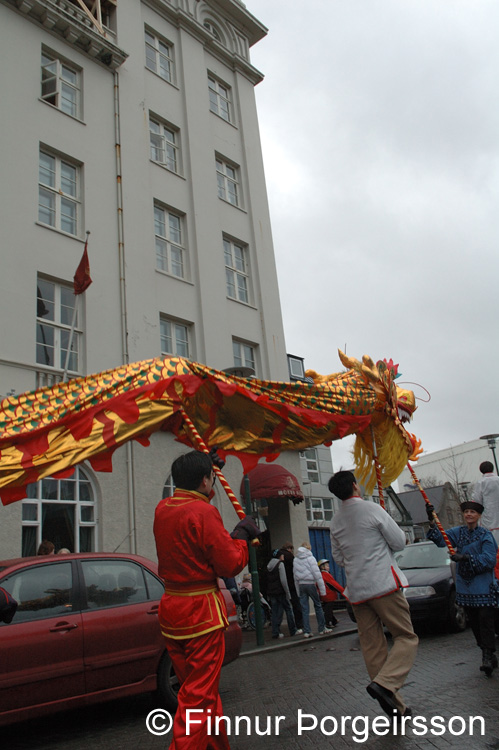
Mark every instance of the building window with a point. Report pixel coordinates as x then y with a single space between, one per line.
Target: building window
244 354
228 182
296 368
169 487
219 98
61 85
312 464
55 304
319 508
61 511
209 26
169 244
159 57
58 193
236 270
174 338
165 146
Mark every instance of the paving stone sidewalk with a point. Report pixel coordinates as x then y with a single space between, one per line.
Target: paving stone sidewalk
326 677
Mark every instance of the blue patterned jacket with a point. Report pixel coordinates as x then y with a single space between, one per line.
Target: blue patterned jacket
475 579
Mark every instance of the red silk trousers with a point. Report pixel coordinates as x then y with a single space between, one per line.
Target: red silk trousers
197 663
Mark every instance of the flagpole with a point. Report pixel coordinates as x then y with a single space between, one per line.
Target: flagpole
73 326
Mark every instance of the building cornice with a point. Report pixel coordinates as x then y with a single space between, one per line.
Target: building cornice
234 16
67 21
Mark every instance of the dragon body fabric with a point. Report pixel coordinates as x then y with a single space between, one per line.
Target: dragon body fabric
48 431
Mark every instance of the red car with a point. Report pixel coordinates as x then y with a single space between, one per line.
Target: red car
86 630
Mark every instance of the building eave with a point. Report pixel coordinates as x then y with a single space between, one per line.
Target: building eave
67 21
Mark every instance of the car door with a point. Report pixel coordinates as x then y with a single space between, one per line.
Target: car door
41 650
122 638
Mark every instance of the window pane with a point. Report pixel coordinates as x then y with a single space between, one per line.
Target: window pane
29 512
86 513
67 306
47 170
45 345
174 224
111 584
159 221
42 591
68 179
45 299
46 207
177 264
68 216
68 100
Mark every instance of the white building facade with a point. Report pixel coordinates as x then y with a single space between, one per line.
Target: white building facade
134 121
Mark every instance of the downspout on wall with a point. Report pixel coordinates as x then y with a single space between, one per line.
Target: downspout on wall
123 305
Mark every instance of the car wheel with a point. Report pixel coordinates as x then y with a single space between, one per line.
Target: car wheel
168 684
456 615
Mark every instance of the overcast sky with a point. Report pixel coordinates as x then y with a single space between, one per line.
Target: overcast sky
379 122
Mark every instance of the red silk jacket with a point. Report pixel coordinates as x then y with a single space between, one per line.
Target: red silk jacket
194 549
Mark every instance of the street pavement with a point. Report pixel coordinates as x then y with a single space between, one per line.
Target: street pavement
322 677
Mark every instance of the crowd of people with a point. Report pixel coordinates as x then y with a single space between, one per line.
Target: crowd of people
194 549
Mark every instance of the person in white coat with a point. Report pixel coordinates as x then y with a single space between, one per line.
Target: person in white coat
363 540
308 579
486 492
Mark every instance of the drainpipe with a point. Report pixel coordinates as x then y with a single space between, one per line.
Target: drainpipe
123 307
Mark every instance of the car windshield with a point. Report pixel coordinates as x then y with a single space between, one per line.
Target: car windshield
422 556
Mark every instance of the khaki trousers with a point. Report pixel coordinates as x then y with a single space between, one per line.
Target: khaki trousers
388 668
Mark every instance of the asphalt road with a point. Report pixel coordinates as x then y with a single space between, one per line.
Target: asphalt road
325 678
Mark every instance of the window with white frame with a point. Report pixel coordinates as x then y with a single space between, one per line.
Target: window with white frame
165 144
296 369
169 487
319 508
55 304
174 337
220 98
62 511
210 26
312 464
159 56
168 229
228 182
58 193
61 84
244 354
236 270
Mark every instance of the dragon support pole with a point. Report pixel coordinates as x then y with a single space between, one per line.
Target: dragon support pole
435 517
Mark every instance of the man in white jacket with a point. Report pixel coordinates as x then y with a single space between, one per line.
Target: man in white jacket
308 579
363 540
486 492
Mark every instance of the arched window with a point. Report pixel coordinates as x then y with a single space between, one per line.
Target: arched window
214 30
62 511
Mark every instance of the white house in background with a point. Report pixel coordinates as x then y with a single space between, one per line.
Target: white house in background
134 120
457 464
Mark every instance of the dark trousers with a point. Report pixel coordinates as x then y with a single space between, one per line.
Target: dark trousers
281 604
329 613
295 603
481 620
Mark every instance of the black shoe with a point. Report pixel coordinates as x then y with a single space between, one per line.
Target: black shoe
385 698
487 662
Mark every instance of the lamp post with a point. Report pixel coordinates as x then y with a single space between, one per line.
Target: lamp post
491 442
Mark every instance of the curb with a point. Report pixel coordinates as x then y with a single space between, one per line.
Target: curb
294 643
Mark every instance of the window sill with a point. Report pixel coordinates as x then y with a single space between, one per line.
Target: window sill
165 80
172 276
224 200
60 231
58 109
240 302
228 122
167 169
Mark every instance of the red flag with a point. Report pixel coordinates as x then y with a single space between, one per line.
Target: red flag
82 278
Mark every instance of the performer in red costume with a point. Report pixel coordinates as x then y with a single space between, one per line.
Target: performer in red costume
194 549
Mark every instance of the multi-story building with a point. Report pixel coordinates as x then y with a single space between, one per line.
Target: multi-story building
134 121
